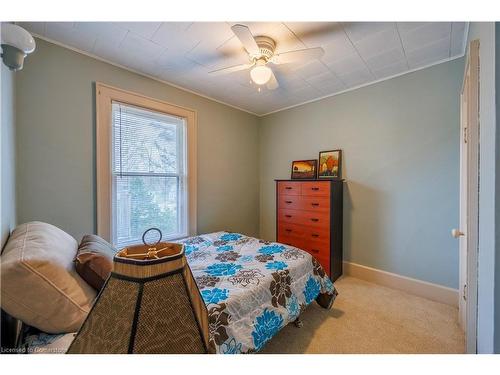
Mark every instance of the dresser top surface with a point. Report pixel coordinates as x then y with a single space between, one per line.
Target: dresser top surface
312 180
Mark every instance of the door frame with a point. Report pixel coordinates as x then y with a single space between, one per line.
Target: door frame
468 272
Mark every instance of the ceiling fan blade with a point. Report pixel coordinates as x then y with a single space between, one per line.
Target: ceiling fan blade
272 84
230 69
301 55
246 38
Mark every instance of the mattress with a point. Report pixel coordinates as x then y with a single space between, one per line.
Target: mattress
252 289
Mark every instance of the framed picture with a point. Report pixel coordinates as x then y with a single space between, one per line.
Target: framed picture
304 169
330 164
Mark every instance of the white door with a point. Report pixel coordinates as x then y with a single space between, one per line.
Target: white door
469 198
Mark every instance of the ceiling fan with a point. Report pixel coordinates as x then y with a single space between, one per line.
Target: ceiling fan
260 51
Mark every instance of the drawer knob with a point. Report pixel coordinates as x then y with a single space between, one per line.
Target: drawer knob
288 215
288 188
315 188
314 219
314 235
288 230
315 251
288 202
315 204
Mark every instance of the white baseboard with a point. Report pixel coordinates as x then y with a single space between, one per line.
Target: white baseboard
420 288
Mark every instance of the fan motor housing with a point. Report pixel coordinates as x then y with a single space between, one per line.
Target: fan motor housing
266 45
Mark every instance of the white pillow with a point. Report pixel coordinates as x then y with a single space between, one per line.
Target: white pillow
40 285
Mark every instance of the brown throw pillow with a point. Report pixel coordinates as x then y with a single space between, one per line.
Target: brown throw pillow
94 260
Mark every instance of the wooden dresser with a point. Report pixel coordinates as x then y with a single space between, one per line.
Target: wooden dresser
309 216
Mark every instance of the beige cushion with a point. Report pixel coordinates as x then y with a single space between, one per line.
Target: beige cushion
39 283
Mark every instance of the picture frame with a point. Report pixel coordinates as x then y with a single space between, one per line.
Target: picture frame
330 164
304 169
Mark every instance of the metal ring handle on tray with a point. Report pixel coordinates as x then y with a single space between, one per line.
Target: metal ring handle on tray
146 232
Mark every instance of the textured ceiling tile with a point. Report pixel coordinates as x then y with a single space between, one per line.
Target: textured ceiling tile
175 65
347 65
359 30
109 36
312 69
211 35
104 29
384 59
357 77
144 29
390 70
426 34
68 34
314 34
327 77
338 48
433 52
379 42
405 27
174 37
330 86
135 46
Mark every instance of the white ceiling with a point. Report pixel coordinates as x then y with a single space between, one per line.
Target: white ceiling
183 53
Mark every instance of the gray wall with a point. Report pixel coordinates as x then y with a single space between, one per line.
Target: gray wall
55 143
485 32
7 155
497 192
400 140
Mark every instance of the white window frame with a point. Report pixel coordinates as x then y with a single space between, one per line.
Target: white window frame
105 96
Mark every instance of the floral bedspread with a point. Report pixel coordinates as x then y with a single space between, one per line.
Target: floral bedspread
252 288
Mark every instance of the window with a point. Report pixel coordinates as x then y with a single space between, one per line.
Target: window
145 167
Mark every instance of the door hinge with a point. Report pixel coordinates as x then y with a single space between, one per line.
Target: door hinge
465 134
464 295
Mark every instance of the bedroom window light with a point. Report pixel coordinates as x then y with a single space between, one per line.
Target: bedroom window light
145 167
148 174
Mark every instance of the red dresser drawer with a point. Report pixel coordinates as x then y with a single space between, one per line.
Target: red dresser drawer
289 188
312 203
288 216
320 252
290 230
292 241
314 219
318 249
310 218
290 202
317 189
317 235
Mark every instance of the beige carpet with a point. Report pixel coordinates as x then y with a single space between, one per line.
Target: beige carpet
368 318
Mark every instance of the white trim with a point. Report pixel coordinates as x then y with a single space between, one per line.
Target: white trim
472 72
246 110
105 94
419 288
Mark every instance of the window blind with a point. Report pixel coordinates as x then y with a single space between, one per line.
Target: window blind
148 172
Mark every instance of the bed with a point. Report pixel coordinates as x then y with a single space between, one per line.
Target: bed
252 289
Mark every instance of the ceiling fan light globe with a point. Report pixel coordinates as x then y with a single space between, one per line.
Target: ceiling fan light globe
261 74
